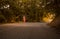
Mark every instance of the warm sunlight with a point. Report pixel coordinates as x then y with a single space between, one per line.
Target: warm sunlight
49 17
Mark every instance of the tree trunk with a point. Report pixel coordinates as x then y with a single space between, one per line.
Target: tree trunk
56 22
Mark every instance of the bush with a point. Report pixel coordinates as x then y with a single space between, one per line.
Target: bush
2 19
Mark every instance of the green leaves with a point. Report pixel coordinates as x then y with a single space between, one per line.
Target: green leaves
33 10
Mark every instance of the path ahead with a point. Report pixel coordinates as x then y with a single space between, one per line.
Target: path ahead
27 31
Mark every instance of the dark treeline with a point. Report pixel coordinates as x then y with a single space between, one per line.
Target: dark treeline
14 10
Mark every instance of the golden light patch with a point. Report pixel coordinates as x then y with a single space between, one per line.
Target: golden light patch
49 17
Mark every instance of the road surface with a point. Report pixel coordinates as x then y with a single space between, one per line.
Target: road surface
27 31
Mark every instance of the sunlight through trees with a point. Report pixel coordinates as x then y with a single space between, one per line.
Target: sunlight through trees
14 10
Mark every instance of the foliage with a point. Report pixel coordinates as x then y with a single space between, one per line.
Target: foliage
33 10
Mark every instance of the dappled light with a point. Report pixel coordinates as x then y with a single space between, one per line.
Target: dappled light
49 17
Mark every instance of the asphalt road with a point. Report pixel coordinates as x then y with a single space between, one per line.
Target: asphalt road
27 31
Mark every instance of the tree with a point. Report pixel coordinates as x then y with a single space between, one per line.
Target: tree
15 9
56 22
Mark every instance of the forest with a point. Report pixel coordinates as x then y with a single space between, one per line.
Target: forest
34 10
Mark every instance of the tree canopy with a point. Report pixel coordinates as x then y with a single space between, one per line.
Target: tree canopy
14 10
